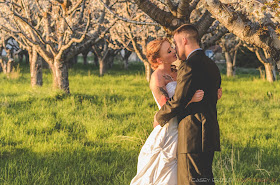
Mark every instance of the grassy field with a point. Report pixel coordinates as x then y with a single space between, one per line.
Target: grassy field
94 135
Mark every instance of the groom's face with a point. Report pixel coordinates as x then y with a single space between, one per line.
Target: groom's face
180 49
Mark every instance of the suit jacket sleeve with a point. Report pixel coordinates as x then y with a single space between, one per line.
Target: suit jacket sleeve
183 94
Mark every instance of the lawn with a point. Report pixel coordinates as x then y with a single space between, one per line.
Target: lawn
94 135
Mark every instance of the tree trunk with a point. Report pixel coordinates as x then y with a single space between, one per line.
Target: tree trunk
36 63
26 58
20 57
264 58
262 74
269 72
126 63
71 62
60 75
148 71
278 67
85 54
10 65
95 59
102 67
102 56
125 58
6 66
274 71
229 64
3 65
110 61
75 59
234 62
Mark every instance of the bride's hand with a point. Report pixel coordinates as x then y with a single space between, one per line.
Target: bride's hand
220 93
198 96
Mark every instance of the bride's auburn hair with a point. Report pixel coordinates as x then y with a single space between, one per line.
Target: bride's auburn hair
152 51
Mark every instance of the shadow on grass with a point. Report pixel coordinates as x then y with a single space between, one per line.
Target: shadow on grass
249 165
100 162
95 163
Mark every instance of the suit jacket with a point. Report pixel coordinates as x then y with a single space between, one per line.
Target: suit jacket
198 129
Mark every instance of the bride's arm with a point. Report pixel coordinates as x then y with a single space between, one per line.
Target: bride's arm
157 85
197 97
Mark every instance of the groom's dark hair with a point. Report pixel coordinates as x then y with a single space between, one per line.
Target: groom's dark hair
188 29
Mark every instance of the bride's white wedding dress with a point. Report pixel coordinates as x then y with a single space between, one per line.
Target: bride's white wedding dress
157 161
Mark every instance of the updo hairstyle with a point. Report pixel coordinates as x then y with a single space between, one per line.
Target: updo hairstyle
152 52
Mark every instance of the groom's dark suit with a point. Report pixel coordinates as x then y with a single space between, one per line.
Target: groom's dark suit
198 131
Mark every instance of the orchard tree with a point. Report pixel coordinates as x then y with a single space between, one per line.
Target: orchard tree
255 22
133 31
8 62
172 14
125 56
269 65
167 15
101 49
230 44
56 30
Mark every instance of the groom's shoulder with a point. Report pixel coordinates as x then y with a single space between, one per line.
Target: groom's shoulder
185 65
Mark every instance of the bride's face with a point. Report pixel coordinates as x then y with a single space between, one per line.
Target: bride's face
167 53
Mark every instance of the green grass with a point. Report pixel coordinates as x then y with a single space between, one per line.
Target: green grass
94 135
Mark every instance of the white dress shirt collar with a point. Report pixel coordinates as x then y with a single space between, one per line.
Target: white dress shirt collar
193 51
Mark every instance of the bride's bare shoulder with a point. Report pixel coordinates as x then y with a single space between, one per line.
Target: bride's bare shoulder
156 79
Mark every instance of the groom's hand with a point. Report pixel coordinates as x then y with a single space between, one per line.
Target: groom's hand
155 121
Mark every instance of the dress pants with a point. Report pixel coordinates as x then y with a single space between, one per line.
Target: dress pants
195 168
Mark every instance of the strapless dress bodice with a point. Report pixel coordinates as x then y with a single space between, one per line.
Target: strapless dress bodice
170 87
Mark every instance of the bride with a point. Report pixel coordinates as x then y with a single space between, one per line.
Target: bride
157 161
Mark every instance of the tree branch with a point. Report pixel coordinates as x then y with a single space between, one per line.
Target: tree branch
125 19
183 9
193 5
172 8
30 26
75 40
69 12
261 56
165 19
213 39
252 33
204 23
123 42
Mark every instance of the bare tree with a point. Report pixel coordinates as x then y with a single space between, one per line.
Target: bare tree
56 30
248 22
230 44
171 14
101 50
125 56
270 67
168 15
245 19
8 46
134 31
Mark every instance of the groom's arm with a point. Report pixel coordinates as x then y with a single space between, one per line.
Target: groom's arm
183 94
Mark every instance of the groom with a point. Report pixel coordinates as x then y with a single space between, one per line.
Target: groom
198 130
